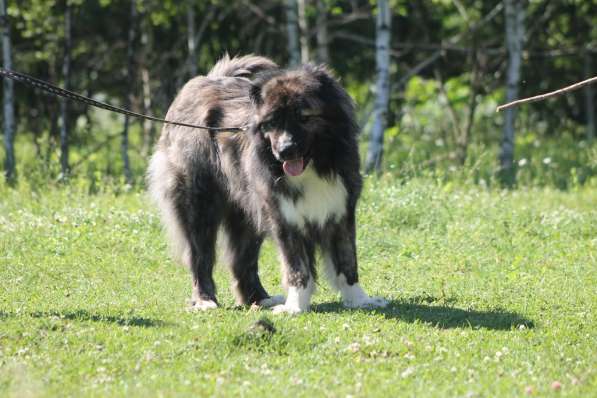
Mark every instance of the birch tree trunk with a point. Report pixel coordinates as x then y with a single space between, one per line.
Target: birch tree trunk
294 51
207 18
323 55
303 31
124 148
191 44
9 113
64 104
464 139
148 127
514 14
382 60
589 97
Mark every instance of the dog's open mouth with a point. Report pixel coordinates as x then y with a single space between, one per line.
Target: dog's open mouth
294 167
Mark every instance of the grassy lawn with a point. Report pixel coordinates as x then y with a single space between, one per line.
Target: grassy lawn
493 293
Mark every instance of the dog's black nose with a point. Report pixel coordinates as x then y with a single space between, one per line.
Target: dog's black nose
287 150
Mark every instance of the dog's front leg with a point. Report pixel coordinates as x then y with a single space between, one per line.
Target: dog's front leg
298 261
339 254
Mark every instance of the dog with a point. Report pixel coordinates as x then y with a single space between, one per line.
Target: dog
293 175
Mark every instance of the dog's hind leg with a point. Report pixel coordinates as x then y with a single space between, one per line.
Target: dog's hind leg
199 209
242 245
339 254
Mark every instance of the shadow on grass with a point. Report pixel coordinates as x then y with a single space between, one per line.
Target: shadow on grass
441 316
82 315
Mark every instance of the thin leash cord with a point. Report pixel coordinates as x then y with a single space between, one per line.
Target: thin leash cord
60 92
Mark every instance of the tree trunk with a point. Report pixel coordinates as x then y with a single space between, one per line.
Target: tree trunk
64 104
323 54
514 14
382 59
52 109
148 126
130 56
464 139
191 44
303 31
589 97
207 18
53 132
294 52
9 113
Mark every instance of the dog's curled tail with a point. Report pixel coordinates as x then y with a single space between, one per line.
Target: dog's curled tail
241 66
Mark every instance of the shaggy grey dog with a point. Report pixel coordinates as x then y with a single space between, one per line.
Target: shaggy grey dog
293 176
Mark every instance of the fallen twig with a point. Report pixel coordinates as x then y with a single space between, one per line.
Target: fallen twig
540 97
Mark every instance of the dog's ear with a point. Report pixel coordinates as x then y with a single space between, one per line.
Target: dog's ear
340 105
255 94
329 86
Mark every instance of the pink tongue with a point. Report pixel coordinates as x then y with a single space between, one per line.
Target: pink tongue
293 167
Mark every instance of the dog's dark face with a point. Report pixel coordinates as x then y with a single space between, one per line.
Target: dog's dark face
290 115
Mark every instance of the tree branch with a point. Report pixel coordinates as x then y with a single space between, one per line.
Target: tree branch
541 97
452 41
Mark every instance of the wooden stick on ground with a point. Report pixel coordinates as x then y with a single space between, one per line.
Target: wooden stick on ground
575 86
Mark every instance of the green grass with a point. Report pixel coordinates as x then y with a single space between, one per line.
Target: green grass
492 293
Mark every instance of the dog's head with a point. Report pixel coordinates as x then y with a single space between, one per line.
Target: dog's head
297 110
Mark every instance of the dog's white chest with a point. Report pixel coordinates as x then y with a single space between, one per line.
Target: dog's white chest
321 200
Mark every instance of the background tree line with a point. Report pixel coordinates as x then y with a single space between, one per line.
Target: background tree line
426 77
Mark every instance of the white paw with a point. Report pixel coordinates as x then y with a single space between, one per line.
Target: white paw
366 302
271 301
286 309
202 305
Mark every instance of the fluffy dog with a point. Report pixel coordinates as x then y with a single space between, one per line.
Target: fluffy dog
292 175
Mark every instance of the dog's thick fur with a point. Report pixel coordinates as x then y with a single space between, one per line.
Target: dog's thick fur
294 175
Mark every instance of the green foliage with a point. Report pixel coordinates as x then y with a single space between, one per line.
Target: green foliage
422 135
423 143
492 294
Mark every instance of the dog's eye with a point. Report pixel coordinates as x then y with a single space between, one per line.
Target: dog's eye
266 126
307 114
304 118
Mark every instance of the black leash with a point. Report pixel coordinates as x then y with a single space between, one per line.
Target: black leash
60 92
